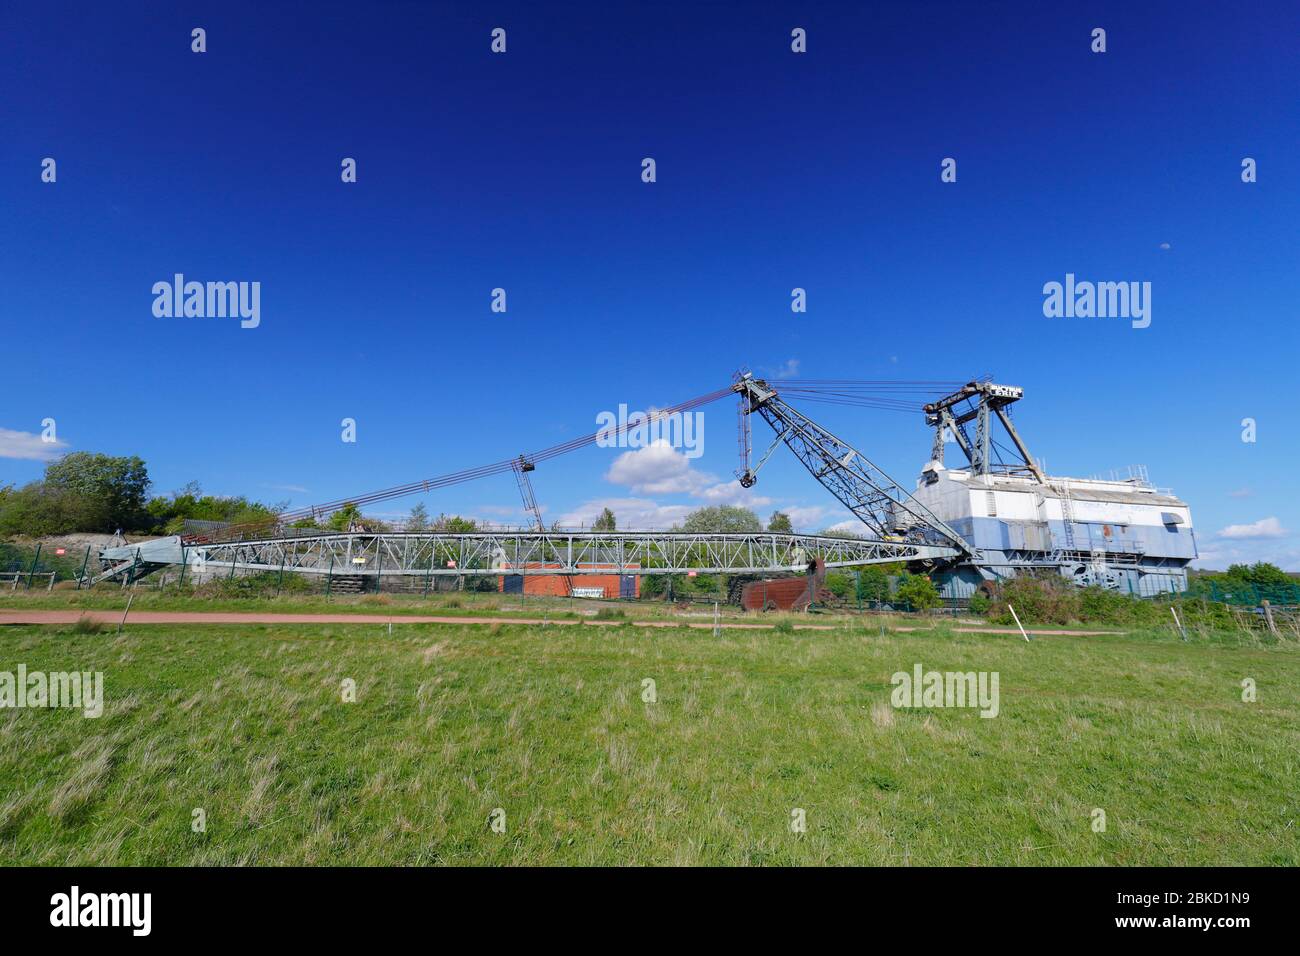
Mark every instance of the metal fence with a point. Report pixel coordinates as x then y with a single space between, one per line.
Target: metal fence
1247 595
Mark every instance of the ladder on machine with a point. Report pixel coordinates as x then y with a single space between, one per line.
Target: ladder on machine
1067 512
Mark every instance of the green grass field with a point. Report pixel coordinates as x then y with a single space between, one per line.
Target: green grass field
548 724
443 604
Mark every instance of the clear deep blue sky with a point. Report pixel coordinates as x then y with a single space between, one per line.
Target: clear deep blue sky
775 170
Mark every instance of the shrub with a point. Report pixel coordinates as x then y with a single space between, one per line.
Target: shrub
980 603
839 584
263 584
1054 600
919 592
1040 600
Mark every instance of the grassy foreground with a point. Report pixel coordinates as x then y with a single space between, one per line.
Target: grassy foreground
452 722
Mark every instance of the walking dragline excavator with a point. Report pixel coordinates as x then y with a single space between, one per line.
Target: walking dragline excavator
986 519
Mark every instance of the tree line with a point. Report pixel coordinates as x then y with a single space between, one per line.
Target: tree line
97 493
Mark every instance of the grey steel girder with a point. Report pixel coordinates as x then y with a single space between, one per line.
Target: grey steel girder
430 553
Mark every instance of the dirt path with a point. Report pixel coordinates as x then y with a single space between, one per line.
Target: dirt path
11 616
240 617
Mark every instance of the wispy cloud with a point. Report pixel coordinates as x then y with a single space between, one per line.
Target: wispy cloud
1241 493
29 446
1263 528
292 489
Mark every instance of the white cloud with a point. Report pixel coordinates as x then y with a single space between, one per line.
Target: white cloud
1263 528
658 469
1241 493
853 526
806 517
732 493
789 370
28 445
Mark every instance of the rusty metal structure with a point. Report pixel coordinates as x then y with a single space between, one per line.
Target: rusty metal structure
787 593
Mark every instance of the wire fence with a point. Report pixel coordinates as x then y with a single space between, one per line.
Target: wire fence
1247 595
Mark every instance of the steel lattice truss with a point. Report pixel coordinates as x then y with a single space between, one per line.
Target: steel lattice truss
875 499
521 552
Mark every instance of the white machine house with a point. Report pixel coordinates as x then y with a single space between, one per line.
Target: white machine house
1123 535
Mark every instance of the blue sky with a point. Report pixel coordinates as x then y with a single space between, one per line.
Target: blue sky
523 171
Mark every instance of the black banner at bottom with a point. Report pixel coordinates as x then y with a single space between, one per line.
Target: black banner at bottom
338 905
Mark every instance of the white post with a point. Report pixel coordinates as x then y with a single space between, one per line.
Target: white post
122 623
1178 622
1018 624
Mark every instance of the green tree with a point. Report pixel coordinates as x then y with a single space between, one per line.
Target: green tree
108 492
723 519
343 519
838 583
36 509
918 591
780 523
1265 575
605 522
454 524
170 512
873 584
418 519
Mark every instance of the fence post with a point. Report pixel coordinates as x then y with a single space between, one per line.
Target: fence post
1268 616
122 623
329 578
84 564
50 586
185 559
32 572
